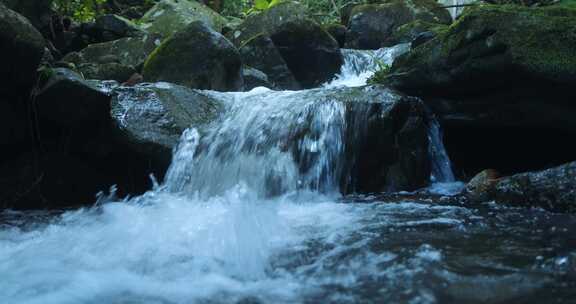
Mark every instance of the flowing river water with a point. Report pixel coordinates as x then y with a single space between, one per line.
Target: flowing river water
236 221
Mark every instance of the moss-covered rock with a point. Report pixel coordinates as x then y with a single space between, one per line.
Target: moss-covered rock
107 71
197 57
493 47
170 16
415 29
131 51
371 26
261 53
500 79
268 21
22 50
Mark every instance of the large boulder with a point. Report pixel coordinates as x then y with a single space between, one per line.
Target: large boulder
392 154
66 99
151 117
501 81
311 53
114 60
261 53
493 48
268 21
38 12
170 16
196 57
371 26
552 189
22 49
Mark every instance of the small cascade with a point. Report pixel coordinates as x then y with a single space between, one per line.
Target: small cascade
441 164
360 65
278 142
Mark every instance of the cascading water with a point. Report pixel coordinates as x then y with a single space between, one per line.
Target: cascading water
249 212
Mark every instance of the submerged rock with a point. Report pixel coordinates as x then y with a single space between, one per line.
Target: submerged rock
170 16
151 117
196 57
22 49
261 53
371 26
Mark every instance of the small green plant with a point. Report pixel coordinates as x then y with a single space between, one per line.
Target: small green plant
79 10
381 73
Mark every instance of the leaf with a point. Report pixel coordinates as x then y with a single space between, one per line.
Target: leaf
274 2
261 4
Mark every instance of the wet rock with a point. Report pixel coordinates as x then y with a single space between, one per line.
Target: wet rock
170 16
338 32
196 57
261 53
480 185
312 55
22 49
386 142
151 117
552 189
371 26
66 99
254 78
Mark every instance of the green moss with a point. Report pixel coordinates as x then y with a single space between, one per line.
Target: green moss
567 4
541 40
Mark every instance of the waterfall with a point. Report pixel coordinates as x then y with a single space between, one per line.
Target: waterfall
441 164
280 142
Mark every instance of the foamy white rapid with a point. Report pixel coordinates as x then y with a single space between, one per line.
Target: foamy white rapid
238 218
